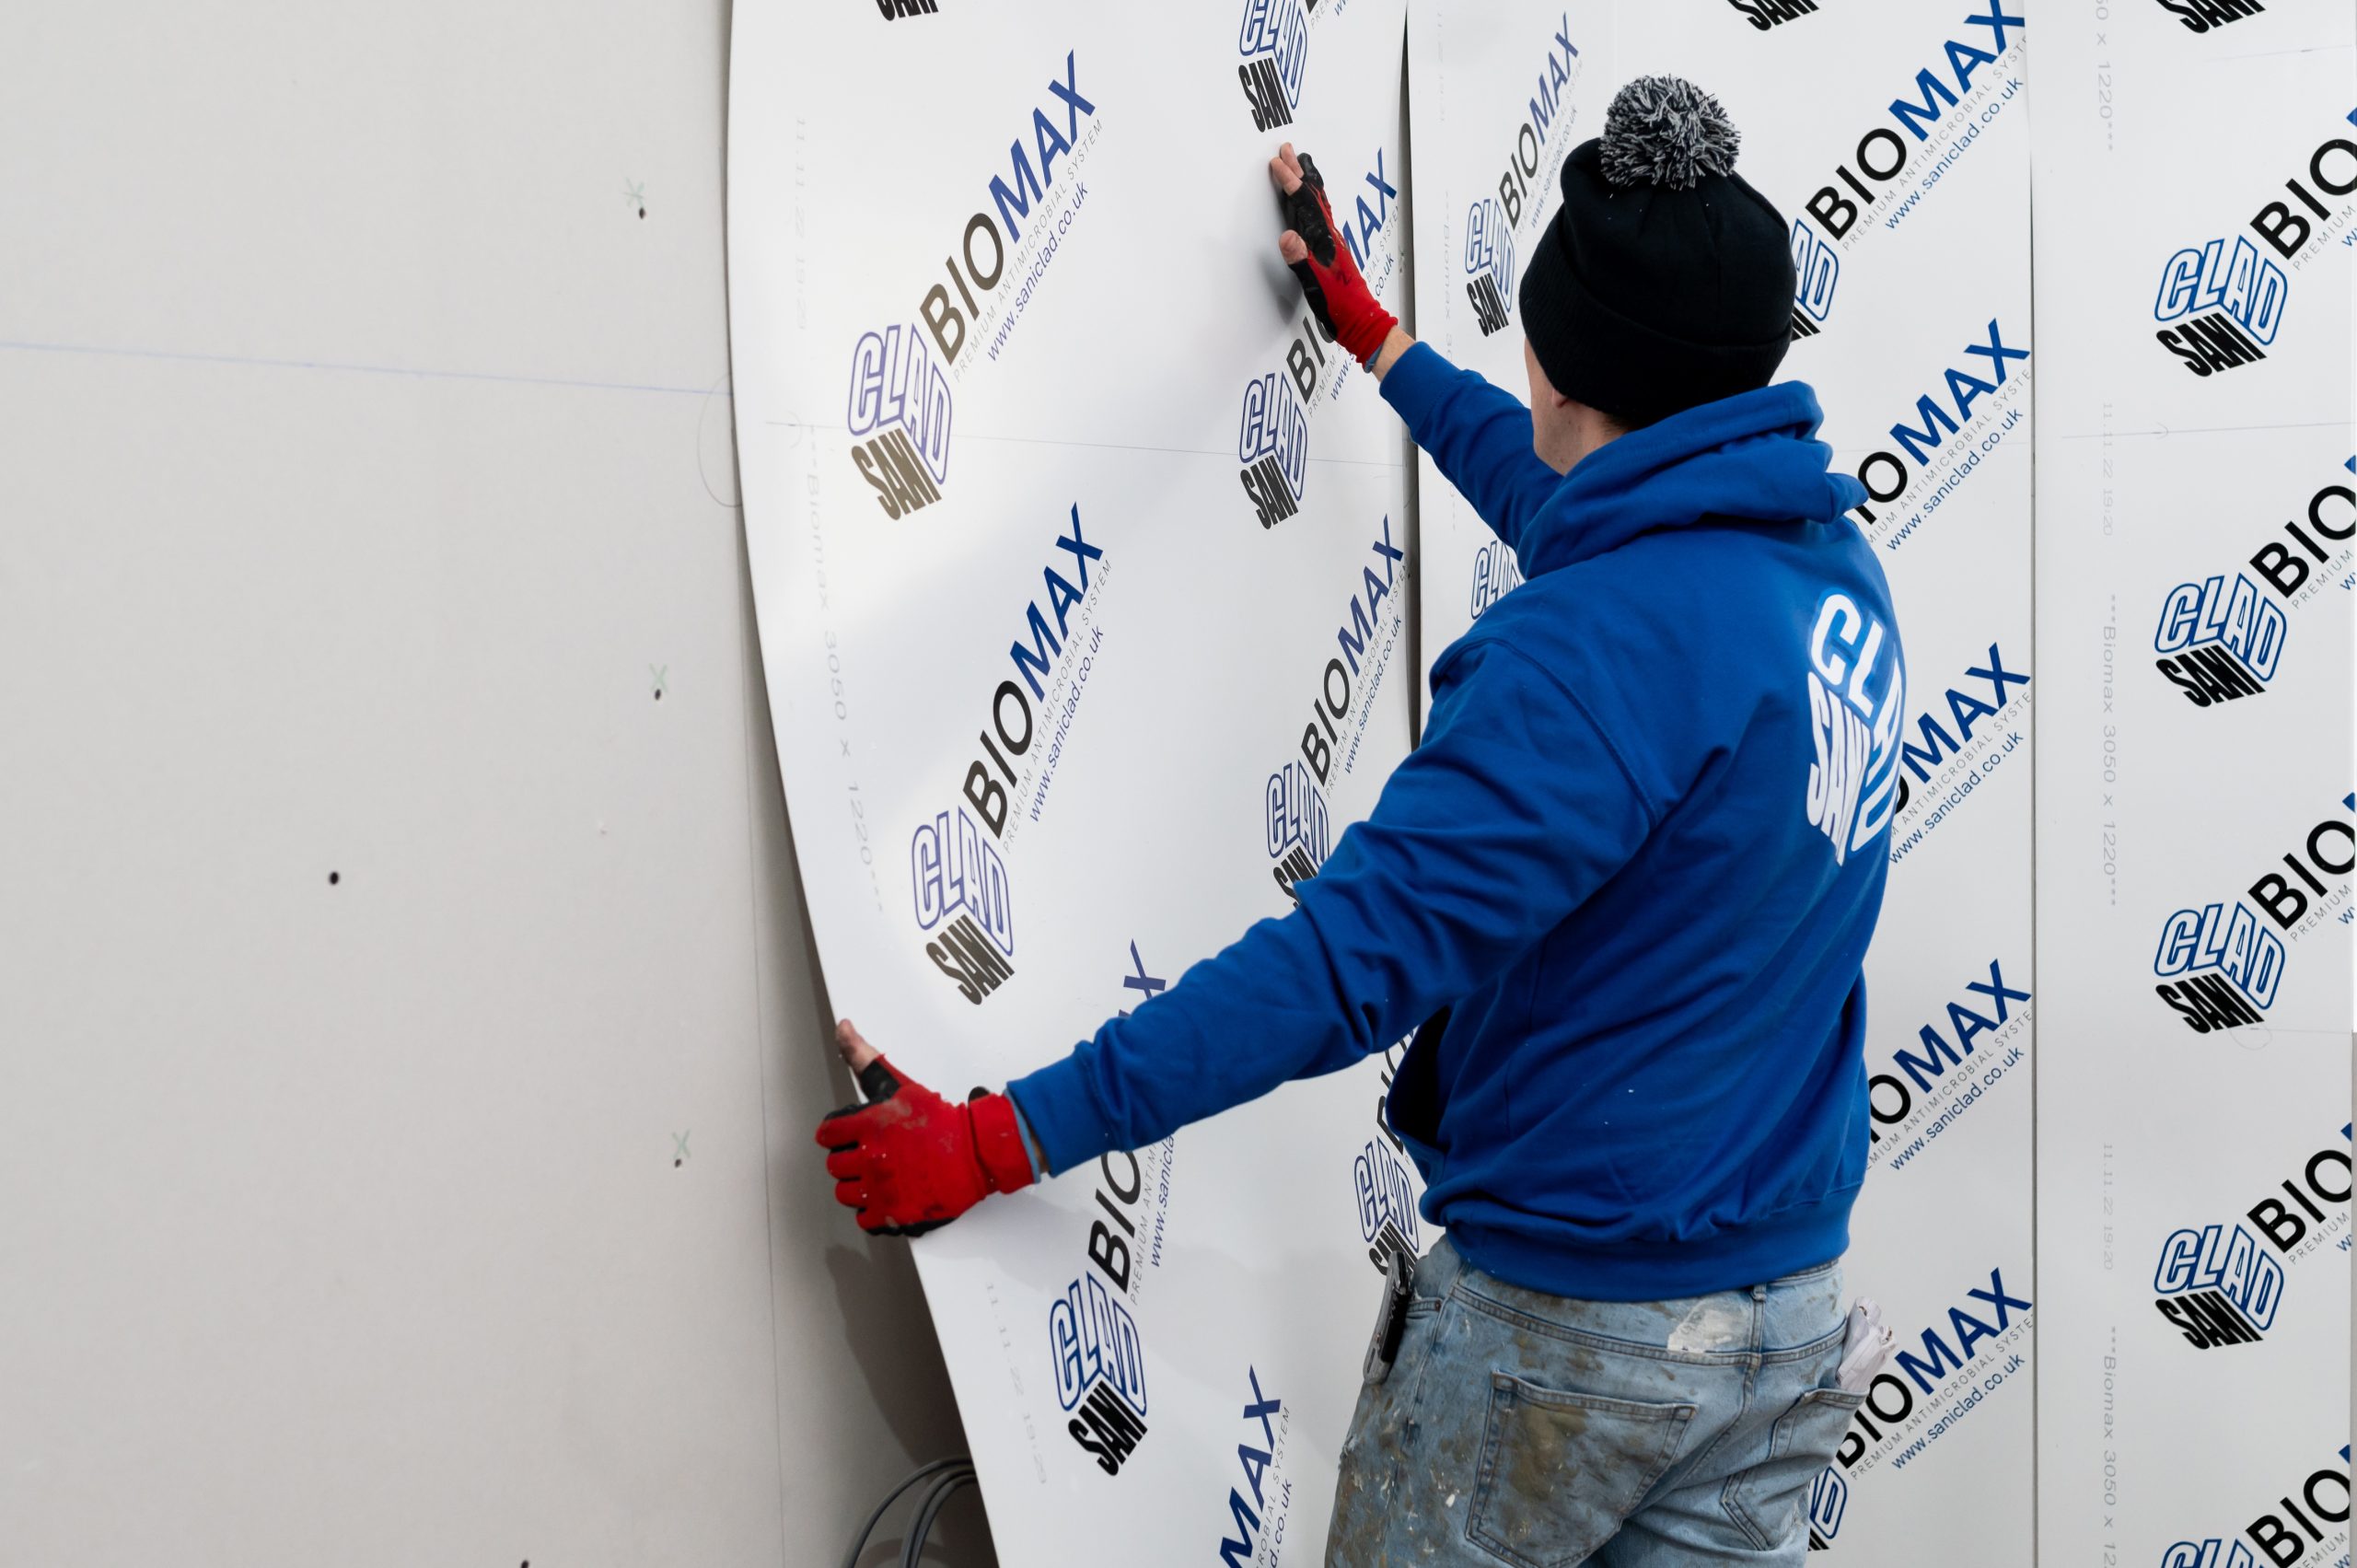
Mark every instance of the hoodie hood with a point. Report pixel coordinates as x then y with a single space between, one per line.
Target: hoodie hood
1754 455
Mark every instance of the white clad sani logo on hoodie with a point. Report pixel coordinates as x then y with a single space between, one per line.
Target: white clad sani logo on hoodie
1856 693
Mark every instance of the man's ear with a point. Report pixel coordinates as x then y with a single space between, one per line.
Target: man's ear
1539 378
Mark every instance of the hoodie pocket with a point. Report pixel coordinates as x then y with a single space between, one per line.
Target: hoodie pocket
1560 1470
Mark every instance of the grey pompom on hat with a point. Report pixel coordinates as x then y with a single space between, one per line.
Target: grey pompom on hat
1664 281
1666 131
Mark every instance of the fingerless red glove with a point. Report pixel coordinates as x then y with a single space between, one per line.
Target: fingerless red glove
1345 307
910 1161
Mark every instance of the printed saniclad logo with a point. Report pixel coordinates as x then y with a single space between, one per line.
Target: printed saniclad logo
1546 116
1345 691
1273 431
1884 152
2297 1530
2219 968
1387 1200
1360 226
1765 14
1908 1398
2216 1288
1857 691
1114 1250
2331 516
898 417
1381 1182
1828 1500
1497 572
1956 758
1100 1371
2299 236
2313 1208
2316 889
2220 639
2227 306
1816 270
1915 1398
1300 830
1274 42
1964 418
1093 1338
2201 16
1273 443
1016 230
959 878
1263 1463
1052 665
1489 265
2219 642
1925 1094
1149 986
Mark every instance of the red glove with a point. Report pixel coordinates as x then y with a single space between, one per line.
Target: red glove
1346 307
910 1161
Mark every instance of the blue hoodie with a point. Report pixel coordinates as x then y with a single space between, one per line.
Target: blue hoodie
1628 876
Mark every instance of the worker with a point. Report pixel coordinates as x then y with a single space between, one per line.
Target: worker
1620 894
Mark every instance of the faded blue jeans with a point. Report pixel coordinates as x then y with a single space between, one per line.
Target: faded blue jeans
1540 1432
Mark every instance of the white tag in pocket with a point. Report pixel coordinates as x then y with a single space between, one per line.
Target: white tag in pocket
1865 1347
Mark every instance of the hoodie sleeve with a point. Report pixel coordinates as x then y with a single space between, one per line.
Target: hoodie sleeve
1516 807
1478 434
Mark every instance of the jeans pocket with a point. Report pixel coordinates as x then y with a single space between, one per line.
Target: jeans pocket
1769 1498
1560 1470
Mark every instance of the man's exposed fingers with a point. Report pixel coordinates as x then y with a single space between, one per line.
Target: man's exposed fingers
856 1053
1285 169
1290 246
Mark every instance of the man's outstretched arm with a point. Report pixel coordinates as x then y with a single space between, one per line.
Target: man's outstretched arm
1478 434
1512 812
1516 808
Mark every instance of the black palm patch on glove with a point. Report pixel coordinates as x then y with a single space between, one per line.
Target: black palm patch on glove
877 1082
1305 214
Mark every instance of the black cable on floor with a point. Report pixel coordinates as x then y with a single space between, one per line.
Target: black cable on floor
928 1507
947 1476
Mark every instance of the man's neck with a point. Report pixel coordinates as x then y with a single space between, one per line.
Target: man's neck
1590 432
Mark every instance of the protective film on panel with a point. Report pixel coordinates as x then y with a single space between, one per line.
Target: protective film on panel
2196 168
1081 559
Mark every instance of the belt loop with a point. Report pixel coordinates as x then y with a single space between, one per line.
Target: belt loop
1758 1293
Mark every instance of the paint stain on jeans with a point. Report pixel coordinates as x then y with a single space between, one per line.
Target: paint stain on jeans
1716 1322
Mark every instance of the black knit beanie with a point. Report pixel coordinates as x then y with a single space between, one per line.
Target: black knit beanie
1665 280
